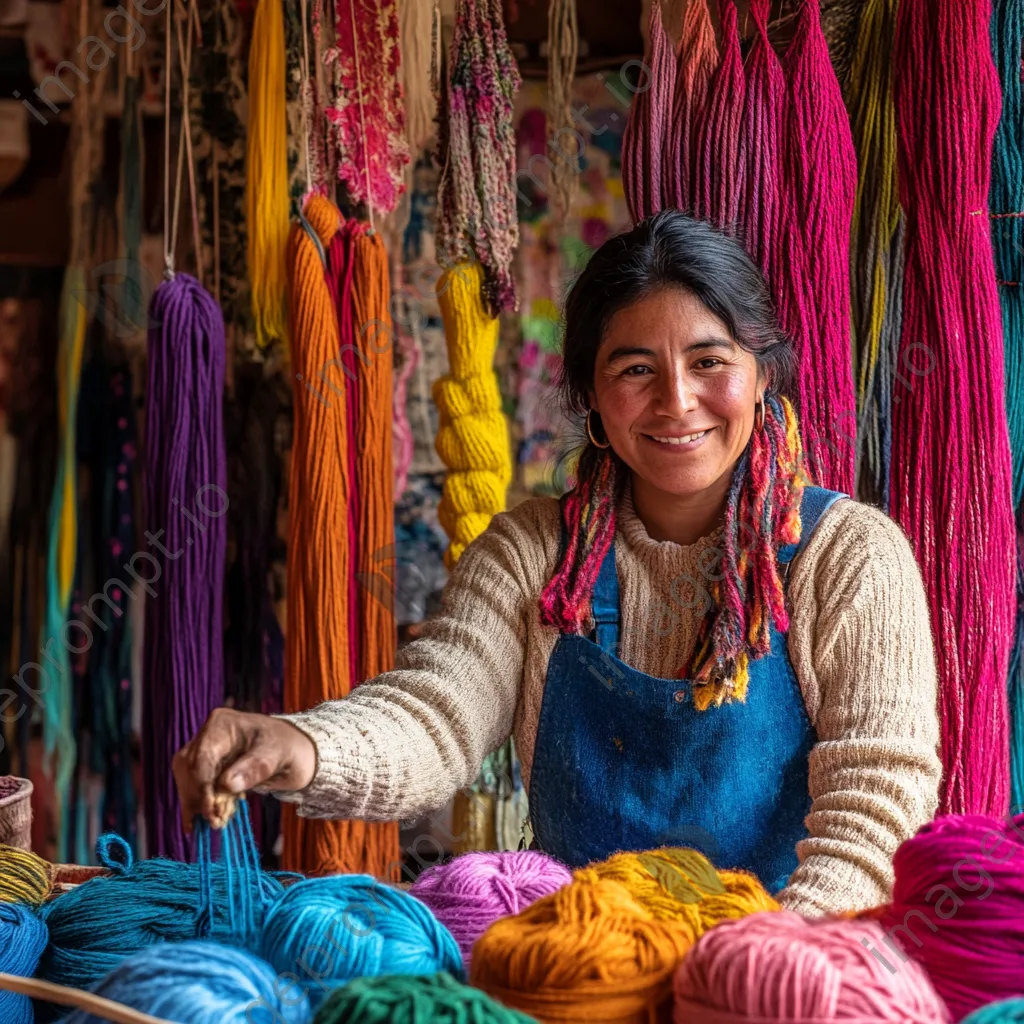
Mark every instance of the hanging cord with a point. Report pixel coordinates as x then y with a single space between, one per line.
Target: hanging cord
306 92
362 115
563 51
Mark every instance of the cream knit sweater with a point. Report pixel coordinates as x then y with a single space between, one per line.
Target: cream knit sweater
860 643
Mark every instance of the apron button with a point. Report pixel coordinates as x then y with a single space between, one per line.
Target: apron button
680 696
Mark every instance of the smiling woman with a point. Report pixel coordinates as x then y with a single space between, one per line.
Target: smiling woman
786 722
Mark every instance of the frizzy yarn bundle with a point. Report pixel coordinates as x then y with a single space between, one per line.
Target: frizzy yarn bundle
200 983
406 999
587 952
342 927
22 941
470 893
958 908
680 884
780 967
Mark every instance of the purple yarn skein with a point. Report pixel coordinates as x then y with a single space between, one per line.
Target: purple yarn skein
470 893
186 502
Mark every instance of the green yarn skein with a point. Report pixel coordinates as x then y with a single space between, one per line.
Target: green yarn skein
414 999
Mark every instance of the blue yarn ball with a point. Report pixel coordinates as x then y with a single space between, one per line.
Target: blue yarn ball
201 983
1009 1011
327 931
22 941
96 925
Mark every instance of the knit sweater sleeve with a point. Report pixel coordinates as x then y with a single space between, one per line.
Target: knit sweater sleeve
861 644
402 744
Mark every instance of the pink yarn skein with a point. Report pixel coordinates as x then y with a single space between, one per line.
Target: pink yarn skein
777 967
470 893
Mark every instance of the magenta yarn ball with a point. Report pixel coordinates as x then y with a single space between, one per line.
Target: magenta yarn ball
470 893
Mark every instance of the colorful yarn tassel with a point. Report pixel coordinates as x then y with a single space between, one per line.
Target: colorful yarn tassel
55 636
266 179
186 505
472 437
951 472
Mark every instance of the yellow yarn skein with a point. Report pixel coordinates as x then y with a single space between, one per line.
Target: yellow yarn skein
24 877
472 439
680 884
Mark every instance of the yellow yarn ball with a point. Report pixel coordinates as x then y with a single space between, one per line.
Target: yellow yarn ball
24 877
679 884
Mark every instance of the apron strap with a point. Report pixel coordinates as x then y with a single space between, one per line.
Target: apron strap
816 501
604 605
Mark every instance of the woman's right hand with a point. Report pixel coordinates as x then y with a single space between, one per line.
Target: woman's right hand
236 751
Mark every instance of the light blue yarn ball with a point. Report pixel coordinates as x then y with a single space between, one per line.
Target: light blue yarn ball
22 941
1009 1011
201 982
327 931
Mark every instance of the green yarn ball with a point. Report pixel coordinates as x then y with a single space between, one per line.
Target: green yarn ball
414 999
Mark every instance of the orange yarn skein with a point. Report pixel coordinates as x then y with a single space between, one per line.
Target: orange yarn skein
587 952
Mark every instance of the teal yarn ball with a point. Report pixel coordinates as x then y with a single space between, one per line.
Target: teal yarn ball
1009 1011
200 983
96 925
407 999
22 941
327 931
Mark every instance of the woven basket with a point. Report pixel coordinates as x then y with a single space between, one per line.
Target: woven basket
15 812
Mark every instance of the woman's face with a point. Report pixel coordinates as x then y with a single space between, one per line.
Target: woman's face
675 393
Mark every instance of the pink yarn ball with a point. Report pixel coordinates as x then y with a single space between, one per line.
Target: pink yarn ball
470 893
777 967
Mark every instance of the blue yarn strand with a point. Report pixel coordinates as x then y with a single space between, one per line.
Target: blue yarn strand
1010 1011
22 941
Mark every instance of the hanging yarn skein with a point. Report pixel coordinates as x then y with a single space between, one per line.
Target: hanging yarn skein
587 952
200 983
951 472
472 436
563 50
477 218
471 892
406 999
780 967
352 926
266 173
22 941
415 31
186 498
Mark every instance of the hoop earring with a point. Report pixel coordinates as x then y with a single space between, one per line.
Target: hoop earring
590 433
759 415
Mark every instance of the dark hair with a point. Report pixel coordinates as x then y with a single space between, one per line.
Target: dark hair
671 250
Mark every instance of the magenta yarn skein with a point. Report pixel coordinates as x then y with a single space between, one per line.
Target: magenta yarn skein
958 908
777 967
470 893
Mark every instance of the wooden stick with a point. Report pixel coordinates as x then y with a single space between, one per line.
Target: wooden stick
77 998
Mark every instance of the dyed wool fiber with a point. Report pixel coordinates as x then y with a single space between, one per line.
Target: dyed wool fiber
1009 1011
958 908
951 473
201 983
780 967
678 884
407 999
24 877
22 941
470 893
100 923
352 926
587 952
186 502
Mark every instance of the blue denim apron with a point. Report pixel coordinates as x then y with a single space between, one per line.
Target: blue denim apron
624 761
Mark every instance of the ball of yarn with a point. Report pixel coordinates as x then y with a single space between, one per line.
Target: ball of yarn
22 941
200 983
680 884
587 952
341 927
1009 1011
470 893
777 967
958 908
96 925
24 877
407 999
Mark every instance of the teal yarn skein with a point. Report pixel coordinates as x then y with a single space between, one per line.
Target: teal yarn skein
342 927
100 923
407 999
22 941
1009 1011
200 983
